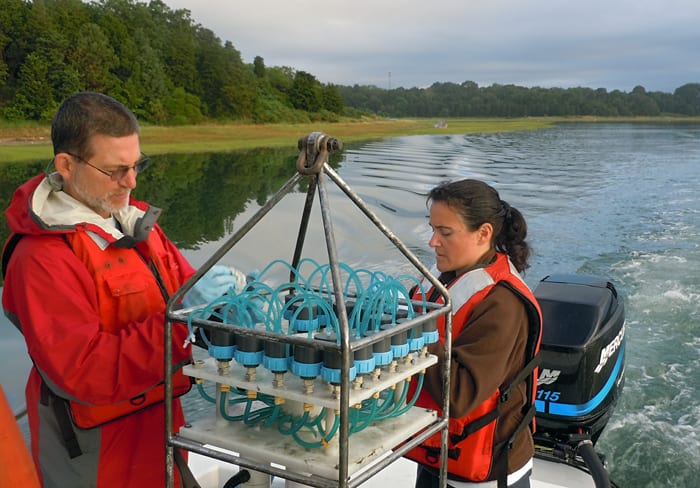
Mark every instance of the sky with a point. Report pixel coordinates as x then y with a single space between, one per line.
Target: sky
611 44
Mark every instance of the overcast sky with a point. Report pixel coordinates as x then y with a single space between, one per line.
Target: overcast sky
612 44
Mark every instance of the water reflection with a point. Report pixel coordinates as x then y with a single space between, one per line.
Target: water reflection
201 194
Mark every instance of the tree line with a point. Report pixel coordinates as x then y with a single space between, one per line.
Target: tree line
171 70
470 100
159 62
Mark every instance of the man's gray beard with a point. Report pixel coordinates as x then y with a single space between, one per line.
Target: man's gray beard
98 204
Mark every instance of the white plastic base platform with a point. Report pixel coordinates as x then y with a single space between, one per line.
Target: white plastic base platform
269 447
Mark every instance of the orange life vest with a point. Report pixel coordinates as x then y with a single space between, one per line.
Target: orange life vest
128 289
16 465
471 439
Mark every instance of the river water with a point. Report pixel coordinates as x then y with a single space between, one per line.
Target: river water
616 200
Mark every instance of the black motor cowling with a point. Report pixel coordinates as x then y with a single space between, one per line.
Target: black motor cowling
581 372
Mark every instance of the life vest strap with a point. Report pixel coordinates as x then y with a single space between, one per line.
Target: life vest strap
7 251
475 425
522 376
432 454
502 461
60 409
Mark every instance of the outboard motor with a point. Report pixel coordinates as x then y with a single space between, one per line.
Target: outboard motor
581 373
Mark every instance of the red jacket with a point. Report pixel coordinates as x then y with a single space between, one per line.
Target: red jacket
472 456
91 342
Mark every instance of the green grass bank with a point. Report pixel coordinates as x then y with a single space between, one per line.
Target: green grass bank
30 141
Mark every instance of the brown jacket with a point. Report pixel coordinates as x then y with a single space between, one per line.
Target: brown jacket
489 353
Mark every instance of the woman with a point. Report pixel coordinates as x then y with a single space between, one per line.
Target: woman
480 249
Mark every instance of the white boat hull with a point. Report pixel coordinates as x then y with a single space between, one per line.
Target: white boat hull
213 473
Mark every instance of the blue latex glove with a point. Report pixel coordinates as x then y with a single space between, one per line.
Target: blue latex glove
215 283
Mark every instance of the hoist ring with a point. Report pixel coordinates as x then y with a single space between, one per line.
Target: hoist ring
322 144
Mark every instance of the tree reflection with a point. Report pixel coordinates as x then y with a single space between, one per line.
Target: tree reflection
200 193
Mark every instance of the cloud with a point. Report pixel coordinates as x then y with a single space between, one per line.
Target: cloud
613 44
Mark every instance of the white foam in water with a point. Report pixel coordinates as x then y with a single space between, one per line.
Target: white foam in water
681 295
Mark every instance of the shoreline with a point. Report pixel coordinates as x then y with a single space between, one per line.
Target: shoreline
31 141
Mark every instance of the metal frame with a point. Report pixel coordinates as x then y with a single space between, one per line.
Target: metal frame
313 163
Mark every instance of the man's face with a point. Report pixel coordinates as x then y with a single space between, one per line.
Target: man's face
88 179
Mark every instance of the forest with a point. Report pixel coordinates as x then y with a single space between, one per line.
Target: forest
159 62
470 100
170 70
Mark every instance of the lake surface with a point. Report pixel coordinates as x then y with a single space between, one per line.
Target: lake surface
617 200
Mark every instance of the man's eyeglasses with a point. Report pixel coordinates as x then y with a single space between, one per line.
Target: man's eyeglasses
121 172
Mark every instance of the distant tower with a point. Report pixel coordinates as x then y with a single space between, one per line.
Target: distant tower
389 80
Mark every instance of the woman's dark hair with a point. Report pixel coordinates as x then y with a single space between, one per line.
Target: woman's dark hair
86 114
479 203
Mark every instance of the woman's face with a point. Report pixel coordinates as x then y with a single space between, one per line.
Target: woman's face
456 247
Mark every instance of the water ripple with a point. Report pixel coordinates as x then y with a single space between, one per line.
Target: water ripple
618 200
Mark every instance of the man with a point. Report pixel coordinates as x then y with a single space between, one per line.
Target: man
88 275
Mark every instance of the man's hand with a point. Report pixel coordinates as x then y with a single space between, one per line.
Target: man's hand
215 283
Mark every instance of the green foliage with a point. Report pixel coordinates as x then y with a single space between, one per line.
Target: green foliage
271 110
470 100
11 177
687 97
331 99
164 66
281 79
305 93
181 108
259 67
